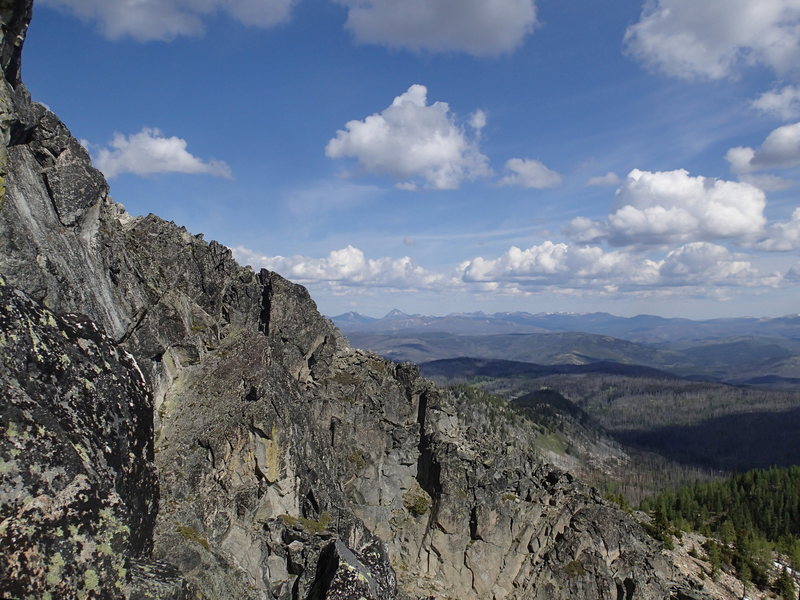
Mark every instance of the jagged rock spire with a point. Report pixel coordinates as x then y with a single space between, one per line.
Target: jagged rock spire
15 16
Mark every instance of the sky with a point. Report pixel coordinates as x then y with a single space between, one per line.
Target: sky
441 156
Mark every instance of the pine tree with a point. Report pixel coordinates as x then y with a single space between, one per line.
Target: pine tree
794 555
785 586
744 576
715 558
726 532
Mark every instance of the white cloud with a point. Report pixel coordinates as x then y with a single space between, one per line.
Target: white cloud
768 183
479 27
609 178
699 265
351 268
784 103
699 268
552 263
530 173
673 207
478 120
704 264
149 152
412 139
147 20
740 159
783 237
584 230
781 149
714 38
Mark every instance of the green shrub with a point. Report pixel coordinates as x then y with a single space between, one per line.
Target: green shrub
575 569
417 501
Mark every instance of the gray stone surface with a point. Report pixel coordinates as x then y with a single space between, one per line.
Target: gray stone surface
77 482
287 464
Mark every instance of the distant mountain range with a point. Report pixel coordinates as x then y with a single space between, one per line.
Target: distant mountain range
641 328
746 350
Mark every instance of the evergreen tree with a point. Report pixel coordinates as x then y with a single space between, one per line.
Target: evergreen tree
726 532
784 585
794 554
753 514
744 576
715 558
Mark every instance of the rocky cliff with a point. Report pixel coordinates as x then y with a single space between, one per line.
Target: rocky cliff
177 426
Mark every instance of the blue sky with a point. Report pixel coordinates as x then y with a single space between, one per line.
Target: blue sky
444 156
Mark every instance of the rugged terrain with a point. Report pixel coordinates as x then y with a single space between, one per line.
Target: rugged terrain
701 424
763 352
177 426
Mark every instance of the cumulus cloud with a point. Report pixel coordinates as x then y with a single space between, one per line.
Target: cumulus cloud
584 230
781 149
349 267
609 178
530 173
713 39
411 140
479 27
783 103
148 20
783 237
669 207
563 266
149 152
699 267
702 263
552 263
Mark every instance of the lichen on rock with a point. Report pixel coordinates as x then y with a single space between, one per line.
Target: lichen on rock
77 486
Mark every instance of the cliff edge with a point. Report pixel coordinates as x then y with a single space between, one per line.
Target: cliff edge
178 426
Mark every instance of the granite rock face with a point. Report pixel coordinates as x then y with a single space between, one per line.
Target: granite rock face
201 431
77 482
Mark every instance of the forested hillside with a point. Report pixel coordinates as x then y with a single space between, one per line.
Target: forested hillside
751 514
566 436
701 424
745 359
705 424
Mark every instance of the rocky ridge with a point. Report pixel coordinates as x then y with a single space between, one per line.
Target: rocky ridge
178 426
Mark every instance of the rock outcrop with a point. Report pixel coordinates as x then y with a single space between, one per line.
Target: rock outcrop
78 496
178 426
